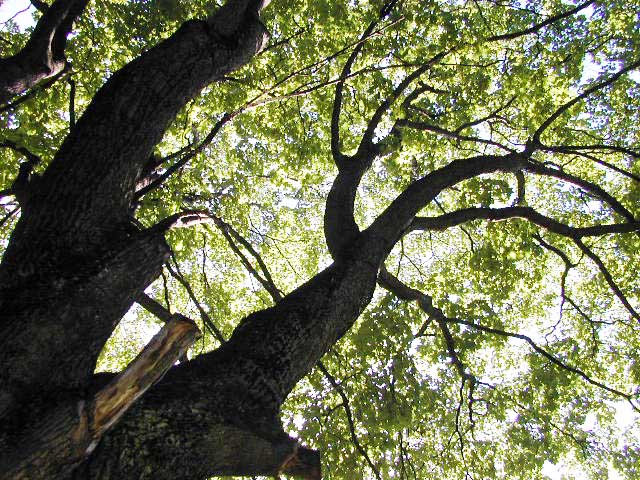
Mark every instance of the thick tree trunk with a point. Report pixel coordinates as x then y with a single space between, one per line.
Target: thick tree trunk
57 442
75 262
218 414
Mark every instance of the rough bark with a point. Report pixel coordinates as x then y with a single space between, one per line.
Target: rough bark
43 56
221 409
56 443
75 262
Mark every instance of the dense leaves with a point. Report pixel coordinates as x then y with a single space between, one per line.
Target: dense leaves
537 361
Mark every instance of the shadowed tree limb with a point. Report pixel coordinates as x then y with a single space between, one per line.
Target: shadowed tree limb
459 217
581 153
154 307
34 91
75 247
43 56
589 187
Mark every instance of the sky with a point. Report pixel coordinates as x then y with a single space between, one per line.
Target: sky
21 12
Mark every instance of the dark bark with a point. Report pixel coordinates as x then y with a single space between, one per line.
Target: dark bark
75 262
221 409
43 56
54 445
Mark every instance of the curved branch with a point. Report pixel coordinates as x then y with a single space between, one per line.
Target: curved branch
43 55
396 218
576 150
458 217
186 156
449 133
206 319
265 279
366 143
608 277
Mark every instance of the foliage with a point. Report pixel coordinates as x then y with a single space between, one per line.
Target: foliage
398 406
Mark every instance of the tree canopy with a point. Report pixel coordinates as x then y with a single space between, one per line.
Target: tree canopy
412 225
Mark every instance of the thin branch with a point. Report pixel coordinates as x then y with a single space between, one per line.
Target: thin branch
31 157
535 139
10 214
265 279
607 276
187 155
541 25
347 409
468 214
573 150
206 319
552 358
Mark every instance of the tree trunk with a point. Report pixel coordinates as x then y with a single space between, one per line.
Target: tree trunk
75 262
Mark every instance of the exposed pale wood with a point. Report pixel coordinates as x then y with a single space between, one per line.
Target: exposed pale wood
71 430
164 349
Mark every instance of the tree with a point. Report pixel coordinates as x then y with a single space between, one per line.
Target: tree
485 157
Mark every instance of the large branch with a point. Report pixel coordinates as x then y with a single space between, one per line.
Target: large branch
43 56
397 217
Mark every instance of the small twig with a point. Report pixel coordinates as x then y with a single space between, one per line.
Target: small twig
347 409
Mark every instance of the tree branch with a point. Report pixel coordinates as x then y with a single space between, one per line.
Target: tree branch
458 217
552 358
347 410
43 55
541 25
535 139
265 279
589 187
608 277
206 319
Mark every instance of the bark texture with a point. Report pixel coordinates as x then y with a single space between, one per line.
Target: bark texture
76 262
54 445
